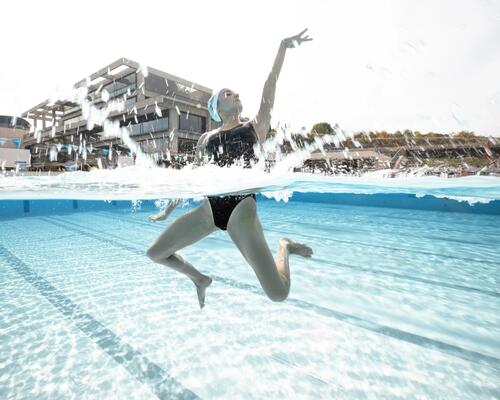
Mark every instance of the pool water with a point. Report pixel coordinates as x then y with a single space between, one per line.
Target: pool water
395 303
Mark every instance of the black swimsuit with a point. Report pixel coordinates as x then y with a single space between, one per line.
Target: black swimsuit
227 148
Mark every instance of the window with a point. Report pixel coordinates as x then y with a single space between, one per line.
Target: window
149 123
121 85
13 122
115 88
21 165
3 140
192 123
155 125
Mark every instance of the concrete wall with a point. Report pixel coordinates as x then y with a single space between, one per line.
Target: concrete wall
9 157
9 134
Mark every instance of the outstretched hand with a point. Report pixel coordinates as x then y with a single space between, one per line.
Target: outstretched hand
165 213
297 40
157 217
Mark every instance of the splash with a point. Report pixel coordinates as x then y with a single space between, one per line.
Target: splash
96 116
146 180
140 182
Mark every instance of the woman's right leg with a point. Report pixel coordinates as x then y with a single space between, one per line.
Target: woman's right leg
184 231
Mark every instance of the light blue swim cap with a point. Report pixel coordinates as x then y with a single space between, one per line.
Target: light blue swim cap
212 107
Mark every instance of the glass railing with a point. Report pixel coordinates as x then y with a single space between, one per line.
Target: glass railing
71 110
130 101
73 120
152 126
123 90
96 97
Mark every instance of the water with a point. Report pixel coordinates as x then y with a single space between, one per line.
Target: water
132 183
400 299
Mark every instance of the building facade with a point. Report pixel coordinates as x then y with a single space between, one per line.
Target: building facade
13 131
164 114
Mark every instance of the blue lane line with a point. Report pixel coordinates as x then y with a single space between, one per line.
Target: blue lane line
352 267
410 278
331 228
163 385
423 341
142 253
401 249
475 229
480 225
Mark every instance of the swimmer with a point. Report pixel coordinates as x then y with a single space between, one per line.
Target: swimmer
235 214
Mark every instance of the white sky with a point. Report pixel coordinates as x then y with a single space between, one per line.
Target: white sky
373 65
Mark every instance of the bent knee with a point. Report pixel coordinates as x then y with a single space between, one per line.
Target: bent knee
155 255
277 296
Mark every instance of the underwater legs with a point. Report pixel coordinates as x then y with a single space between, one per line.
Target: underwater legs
246 231
175 261
184 231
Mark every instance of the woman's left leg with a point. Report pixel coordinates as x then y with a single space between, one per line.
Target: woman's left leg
184 231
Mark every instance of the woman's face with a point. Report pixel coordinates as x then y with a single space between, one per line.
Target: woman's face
229 102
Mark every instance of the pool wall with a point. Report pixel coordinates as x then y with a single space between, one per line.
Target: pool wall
10 209
400 200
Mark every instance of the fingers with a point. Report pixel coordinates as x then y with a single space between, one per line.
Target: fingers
301 33
172 204
156 217
175 202
299 39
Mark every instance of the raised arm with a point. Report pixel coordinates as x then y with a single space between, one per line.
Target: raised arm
262 120
200 150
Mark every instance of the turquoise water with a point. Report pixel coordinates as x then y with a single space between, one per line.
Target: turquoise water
400 300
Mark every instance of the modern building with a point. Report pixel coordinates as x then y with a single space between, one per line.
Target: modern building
12 133
165 115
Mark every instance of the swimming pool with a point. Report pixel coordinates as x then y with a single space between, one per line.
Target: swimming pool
400 300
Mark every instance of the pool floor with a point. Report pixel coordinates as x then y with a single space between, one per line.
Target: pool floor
394 303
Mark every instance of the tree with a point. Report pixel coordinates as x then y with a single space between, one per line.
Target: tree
322 128
466 136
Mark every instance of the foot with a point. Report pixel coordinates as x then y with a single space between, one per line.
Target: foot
297 248
201 287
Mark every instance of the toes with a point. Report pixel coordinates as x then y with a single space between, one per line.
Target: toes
201 300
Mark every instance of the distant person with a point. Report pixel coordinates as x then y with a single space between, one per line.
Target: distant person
235 214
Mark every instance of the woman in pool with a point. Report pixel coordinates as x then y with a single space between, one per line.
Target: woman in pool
237 215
